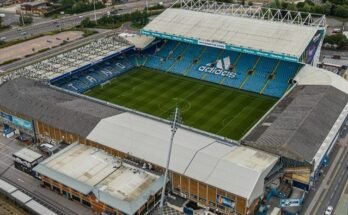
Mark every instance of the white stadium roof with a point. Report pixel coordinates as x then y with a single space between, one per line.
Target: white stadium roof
256 34
310 75
194 155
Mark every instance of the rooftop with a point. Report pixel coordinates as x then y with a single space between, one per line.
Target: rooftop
27 155
301 124
255 34
73 164
197 156
53 107
88 169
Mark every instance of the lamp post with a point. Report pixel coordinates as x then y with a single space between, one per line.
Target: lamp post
174 128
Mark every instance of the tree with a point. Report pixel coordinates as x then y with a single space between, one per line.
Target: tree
25 20
87 23
339 39
67 3
292 6
341 11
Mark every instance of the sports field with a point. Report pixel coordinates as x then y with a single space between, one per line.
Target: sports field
209 107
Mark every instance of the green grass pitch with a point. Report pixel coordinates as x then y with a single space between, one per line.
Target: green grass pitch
210 107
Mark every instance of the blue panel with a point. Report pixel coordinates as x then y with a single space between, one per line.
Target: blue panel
220 66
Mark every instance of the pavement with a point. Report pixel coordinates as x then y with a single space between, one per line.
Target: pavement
52 52
73 20
342 206
327 191
30 185
36 45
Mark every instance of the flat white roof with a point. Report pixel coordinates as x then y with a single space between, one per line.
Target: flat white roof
38 208
127 183
27 155
8 188
83 163
87 169
261 35
20 196
310 75
236 169
139 41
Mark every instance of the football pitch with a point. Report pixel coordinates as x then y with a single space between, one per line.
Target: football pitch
210 107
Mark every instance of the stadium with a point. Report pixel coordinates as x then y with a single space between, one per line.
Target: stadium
255 128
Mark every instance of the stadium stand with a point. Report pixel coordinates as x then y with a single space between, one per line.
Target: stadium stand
97 74
250 72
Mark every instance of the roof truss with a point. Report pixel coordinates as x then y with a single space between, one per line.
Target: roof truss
255 12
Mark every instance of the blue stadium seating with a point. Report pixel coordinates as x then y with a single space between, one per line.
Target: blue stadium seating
195 61
260 75
280 82
95 75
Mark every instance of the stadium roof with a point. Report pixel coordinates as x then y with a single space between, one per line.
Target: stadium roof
53 107
194 155
239 32
88 169
303 125
310 75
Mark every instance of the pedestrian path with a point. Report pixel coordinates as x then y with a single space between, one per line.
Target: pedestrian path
342 206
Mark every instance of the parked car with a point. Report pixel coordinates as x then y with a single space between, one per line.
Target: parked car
329 210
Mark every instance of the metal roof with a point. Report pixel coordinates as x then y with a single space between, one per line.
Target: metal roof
70 167
27 155
53 107
310 75
194 155
297 127
20 196
8 188
38 208
256 34
141 185
88 169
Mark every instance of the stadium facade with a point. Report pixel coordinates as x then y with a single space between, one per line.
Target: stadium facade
253 49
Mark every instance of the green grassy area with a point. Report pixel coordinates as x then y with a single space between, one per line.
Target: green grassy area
209 107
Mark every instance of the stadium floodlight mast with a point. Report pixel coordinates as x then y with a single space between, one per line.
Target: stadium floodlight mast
174 127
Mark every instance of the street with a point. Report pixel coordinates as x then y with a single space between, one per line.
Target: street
328 191
30 185
72 21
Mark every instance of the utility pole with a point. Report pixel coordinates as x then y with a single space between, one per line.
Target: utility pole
174 125
95 15
147 6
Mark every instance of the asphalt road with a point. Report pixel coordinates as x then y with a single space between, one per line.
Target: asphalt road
338 182
73 20
30 185
329 189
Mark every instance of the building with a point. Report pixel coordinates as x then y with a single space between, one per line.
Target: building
34 8
98 180
199 162
281 153
26 159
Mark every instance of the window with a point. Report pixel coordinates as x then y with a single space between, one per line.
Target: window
86 203
76 198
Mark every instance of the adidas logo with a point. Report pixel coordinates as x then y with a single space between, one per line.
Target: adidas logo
221 68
